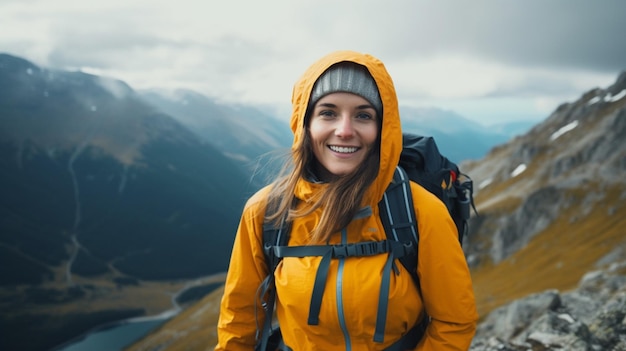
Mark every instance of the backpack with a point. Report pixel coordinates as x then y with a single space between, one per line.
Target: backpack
420 161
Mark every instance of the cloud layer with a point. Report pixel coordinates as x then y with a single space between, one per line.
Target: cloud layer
475 57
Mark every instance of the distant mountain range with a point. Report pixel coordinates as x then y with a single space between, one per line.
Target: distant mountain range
112 200
459 138
255 140
248 135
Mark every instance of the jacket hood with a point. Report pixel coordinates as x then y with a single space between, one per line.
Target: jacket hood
391 132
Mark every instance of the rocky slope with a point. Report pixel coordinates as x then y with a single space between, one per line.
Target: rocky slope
551 202
550 232
590 317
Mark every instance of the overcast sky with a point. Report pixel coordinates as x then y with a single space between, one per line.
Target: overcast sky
489 61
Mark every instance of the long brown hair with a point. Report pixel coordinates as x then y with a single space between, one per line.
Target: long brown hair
340 200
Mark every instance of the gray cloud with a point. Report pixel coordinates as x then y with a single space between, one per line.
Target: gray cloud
254 51
577 34
557 33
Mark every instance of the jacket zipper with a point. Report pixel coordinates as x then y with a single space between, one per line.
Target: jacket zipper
339 292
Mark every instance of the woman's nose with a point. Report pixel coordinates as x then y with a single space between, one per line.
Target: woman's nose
344 127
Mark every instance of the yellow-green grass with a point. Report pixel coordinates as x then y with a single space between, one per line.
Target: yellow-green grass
557 257
194 329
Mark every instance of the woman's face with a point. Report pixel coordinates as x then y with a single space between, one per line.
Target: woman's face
343 128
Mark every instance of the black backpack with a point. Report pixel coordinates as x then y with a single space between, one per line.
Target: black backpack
420 161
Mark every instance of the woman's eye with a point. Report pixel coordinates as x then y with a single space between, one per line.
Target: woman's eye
364 116
327 113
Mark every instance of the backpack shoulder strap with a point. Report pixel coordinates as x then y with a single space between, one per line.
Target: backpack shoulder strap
398 217
273 235
268 337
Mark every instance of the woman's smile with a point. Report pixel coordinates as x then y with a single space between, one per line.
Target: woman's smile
343 149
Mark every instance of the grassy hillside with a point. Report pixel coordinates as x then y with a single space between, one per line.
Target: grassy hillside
557 257
193 329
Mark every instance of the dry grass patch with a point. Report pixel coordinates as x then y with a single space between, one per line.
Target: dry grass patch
193 329
557 257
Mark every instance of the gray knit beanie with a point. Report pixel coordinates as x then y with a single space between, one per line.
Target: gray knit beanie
350 78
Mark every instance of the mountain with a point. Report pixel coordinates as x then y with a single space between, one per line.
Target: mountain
251 137
107 204
563 170
546 250
457 137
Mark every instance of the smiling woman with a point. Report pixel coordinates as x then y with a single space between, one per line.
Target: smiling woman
347 144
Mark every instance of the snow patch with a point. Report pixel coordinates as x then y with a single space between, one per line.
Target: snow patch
614 98
563 130
607 98
518 170
594 100
484 183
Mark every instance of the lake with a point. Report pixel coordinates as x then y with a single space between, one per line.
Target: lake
114 337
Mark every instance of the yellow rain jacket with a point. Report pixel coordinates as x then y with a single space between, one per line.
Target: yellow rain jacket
348 312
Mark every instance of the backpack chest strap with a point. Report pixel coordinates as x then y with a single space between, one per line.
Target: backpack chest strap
361 249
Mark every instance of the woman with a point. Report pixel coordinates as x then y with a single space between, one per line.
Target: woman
347 143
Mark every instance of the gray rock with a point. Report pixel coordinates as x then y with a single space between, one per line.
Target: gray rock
591 317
